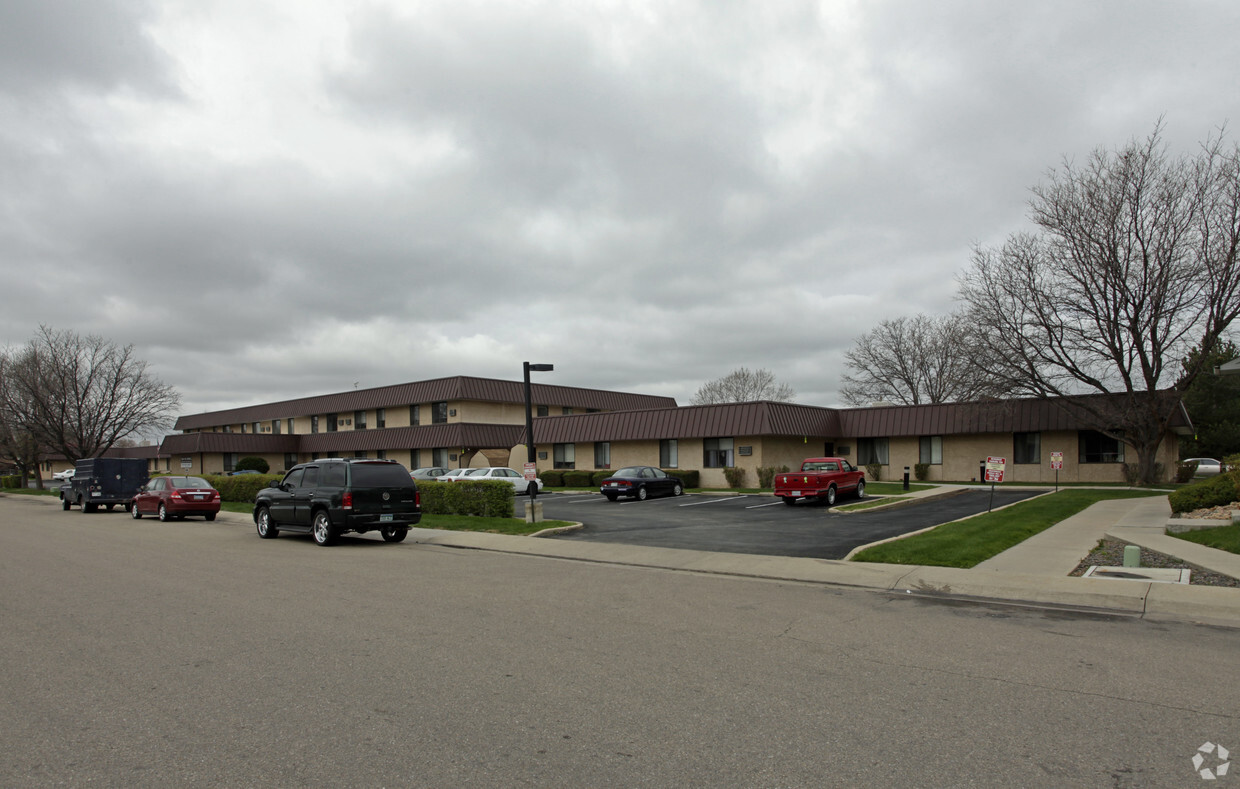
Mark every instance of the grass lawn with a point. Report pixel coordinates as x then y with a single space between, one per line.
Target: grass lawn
1225 538
968 542
32 492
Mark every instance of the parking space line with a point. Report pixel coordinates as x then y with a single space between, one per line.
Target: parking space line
713 501
770 504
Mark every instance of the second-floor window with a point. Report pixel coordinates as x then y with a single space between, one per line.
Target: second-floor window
314 424
439 414
331 423
359 420
380 418
415 414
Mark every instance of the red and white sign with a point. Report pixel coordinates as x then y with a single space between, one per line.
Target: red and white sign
1056 460
994 469
531 470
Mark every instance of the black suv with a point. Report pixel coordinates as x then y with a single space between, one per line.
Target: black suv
334 495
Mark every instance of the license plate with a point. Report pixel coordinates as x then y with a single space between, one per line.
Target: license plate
796 493
385 518
613 484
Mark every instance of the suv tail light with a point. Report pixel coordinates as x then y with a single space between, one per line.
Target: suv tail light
346 500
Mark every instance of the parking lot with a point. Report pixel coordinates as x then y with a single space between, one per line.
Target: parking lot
757 524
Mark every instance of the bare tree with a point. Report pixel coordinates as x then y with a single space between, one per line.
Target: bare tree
17 444
918 360
1133 264
79 396
744 386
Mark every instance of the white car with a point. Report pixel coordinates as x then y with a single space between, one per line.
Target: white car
519 483
455 474
1206 467
65 475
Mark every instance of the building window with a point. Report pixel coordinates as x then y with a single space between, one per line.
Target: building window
602 454
314 424
275 426
931 450
565 456
361 453
1097 448
415 414
380 417
331 423
414 459
230 461
439 457
668 457
290 460
254 427
290 426
717 453
381 454
359 420
1026 447
566 410
871 450
543 411
439 413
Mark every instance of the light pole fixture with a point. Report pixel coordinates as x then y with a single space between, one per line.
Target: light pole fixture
529 416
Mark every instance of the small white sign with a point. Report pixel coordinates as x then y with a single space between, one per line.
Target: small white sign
531 471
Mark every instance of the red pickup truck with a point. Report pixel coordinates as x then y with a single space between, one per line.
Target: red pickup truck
820 478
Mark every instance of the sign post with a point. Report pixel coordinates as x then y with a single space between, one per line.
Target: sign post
1056 463
995 467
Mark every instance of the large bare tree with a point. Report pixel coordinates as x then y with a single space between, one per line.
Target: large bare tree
918 360
1132 264
744 386
78 396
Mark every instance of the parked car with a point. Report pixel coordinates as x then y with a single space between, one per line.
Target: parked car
242 471
176 497
453 475
640 482
518 481
64 475
328 497
432 472
1206 467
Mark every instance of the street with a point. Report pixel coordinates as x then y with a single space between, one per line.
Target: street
140 653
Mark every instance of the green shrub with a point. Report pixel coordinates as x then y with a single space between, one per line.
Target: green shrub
253 464
1213 492
874 470
691 479
12 481
242 487
487 498
766 475
921 471
596 479
552 478
577 479
735 476
1184 471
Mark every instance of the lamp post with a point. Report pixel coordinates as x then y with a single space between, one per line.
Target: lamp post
529 415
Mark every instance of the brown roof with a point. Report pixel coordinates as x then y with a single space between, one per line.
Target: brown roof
465 435
459 387
761 418
187 443
993 416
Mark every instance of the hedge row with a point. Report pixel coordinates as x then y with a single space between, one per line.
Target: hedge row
487 498
12 481
242 487
572 478
1213 492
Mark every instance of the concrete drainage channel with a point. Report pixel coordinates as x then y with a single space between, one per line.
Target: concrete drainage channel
1147 574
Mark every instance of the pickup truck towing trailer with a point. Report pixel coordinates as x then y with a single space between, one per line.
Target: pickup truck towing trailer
823 479
104 482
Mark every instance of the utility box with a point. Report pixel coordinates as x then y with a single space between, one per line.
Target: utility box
104 482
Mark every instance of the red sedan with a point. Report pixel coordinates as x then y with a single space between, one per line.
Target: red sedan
176 497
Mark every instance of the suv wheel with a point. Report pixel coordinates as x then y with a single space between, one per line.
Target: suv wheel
324 532
393 534
266 526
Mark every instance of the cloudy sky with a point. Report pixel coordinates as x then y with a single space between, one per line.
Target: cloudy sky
278 198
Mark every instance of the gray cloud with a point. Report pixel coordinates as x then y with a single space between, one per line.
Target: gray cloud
645 201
